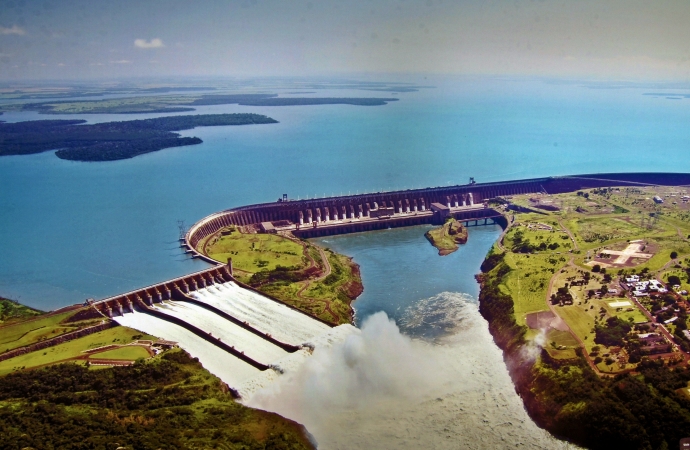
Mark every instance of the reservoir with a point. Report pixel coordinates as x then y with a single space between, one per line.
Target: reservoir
74 230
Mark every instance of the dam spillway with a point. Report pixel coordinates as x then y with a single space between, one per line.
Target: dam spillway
245 337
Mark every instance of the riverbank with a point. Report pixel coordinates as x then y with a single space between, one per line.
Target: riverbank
574 381
76 377
318 281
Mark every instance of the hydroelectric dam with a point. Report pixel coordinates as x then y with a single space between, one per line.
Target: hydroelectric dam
247 338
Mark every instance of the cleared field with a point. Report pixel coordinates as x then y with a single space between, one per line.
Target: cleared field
536 236
591 232
555 339
71 349
529 281
128 353
256 252
580 322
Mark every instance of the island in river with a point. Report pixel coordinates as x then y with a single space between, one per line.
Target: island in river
111 141
447 237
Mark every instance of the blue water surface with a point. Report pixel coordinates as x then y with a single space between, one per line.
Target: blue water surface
72 230
399 267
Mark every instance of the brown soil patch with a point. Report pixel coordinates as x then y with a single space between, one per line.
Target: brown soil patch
544 320
539 320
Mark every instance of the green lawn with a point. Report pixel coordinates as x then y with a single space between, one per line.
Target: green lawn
561 338
528 282
580 322
257 252
24 333
130 353
71 349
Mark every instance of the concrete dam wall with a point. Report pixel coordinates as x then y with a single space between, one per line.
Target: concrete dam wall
365 212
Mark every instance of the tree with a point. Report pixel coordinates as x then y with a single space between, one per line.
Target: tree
674 255
596 268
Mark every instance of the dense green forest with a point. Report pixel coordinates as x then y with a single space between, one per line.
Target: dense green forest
633 411
170 402
112 140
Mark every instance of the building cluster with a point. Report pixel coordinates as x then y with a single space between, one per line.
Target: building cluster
644 288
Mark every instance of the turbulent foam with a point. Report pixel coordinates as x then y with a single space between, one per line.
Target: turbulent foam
262 313
382 389
283 323
438 316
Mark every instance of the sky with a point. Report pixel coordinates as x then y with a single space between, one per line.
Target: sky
97 39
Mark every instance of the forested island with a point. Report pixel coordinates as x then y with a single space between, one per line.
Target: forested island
112 140
185 103
447 237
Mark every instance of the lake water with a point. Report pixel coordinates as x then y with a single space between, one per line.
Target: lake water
73 230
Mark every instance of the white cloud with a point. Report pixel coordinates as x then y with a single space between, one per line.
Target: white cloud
61 64
13 30
121 61
153 43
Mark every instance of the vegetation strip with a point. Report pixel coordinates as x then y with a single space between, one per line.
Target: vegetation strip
57 340
167 402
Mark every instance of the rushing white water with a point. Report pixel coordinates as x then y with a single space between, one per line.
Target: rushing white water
254 346
265 315
283 323
217 361
382 389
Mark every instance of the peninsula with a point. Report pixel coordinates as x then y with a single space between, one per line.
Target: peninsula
111 140
587 294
